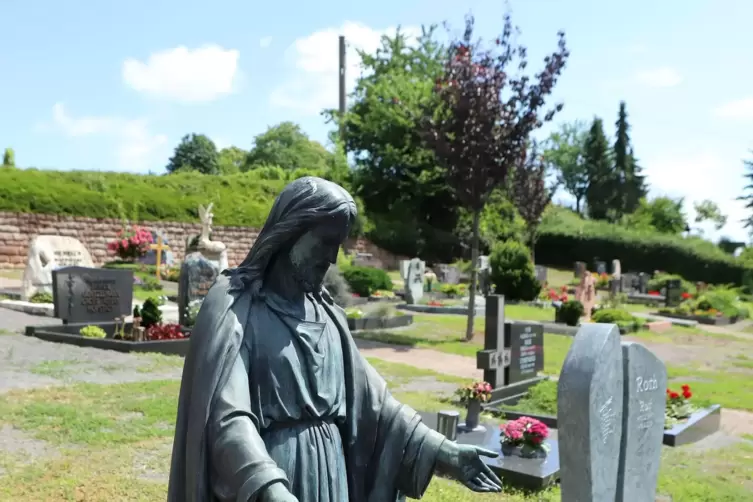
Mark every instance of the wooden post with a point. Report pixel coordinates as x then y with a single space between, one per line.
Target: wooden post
159 247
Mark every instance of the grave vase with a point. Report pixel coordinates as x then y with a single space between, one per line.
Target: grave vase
472 414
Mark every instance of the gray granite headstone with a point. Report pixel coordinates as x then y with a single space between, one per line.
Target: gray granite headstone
614 286
643 279
83 294
526 350
197 274
644 401
589 415
495 357
627 282
414 281
580 269
600 267
404 264
541 273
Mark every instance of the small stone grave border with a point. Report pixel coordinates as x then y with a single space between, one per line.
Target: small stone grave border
710 321
69 334
700 424
373 322
526 473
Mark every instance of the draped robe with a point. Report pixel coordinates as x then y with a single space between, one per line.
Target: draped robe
386 451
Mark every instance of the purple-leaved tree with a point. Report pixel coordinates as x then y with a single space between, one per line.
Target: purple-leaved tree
487 109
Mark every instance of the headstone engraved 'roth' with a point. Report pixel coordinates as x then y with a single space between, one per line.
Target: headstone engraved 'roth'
82 294
589 415
642 423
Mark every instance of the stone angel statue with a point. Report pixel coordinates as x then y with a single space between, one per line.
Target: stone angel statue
213 250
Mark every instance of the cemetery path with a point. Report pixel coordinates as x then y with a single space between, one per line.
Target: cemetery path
434 360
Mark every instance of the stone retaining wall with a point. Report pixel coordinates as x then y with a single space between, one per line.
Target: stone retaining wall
17 230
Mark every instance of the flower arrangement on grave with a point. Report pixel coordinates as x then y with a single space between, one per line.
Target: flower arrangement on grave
131 242
712 303
601 281
654 293
150 313
554 294
524 437
354 313
478 391
169 331
678 406
435 303
472 395
383 293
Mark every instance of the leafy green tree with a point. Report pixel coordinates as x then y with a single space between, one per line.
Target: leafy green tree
603 186
403 190
287 146
231 160
486 115
564 151
662 214
9 158
196 152
708 210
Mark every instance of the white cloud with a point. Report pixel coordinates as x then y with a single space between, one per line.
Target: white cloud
686 174
185 75
313 84
265 42
659 77
136 144
741 109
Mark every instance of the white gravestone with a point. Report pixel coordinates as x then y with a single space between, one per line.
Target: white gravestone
47 253
414 281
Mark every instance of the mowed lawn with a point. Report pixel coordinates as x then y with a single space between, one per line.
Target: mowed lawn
719 366
113 443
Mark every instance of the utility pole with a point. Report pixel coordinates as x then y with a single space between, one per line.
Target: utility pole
342 89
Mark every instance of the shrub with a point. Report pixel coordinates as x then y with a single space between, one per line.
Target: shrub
41 298
92 332
453 290
337 286
659 282
612 316
565 238
570 312
513 274
150 313
150 283
365 280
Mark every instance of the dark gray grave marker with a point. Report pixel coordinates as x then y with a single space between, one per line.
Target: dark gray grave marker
589 415
643 279
83 294
614 286
526 342
496 355
627 283
644 402
674 293
197 274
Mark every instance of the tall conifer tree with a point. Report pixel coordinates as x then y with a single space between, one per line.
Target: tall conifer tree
603 186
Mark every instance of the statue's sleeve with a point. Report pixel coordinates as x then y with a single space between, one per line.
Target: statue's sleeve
240 465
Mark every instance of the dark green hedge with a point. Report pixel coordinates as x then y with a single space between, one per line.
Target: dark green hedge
692 258
239 199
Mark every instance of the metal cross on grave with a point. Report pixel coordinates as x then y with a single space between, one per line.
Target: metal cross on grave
159 247
495 357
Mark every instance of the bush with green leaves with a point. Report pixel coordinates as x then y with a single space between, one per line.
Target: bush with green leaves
565 238
570 312
150 312
659 282
513 273
92 332
622 318
41 297
365 280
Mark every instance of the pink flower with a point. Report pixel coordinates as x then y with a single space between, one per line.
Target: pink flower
124 243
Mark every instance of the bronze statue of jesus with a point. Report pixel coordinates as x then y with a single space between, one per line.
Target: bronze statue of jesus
277 403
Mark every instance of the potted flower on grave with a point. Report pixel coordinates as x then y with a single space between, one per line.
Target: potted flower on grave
524 437
131 242
678 407
472 395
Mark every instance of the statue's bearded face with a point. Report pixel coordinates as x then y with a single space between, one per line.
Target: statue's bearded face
314 252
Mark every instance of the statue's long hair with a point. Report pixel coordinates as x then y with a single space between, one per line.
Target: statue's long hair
302 204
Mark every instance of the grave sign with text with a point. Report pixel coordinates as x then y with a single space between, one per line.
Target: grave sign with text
526 341
82 294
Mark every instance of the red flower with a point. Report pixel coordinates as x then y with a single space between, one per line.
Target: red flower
685 296
674 395
654 293
686 387
687 394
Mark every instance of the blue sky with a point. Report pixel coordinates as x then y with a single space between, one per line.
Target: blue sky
114 85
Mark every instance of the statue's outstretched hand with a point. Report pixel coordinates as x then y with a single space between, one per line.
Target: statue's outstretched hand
463 462
276 492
